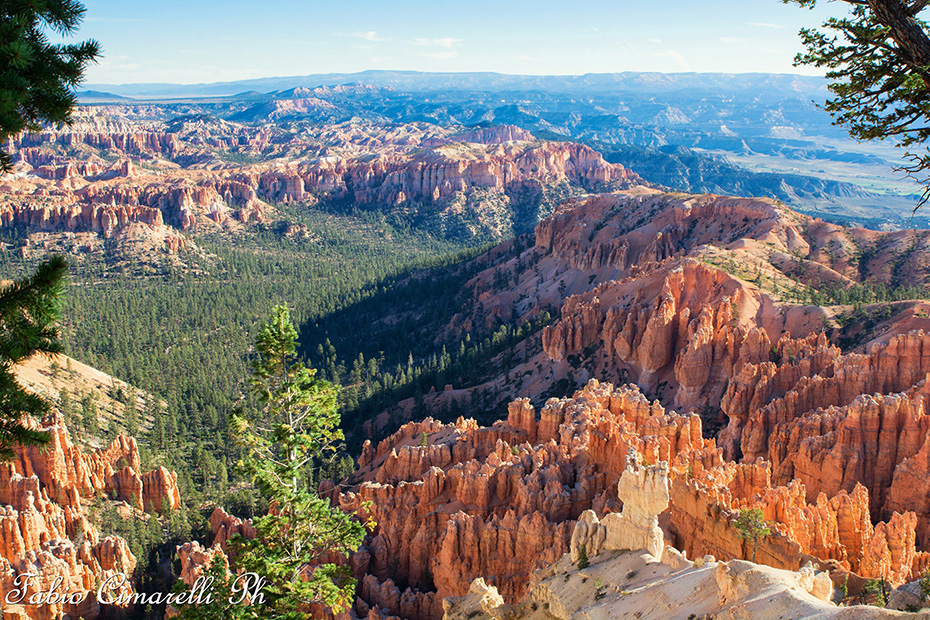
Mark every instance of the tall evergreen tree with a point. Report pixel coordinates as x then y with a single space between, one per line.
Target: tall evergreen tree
29 310
298 424
38 77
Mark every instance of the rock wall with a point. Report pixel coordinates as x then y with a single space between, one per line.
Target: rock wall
67 472
187 183
833 421
686 324
836 531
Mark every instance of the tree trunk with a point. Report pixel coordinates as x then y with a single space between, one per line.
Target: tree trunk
906 32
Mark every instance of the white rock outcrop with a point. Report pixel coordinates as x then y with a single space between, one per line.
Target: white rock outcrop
643 489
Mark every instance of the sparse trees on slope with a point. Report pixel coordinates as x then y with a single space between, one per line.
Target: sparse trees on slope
37 77
878 59
29 310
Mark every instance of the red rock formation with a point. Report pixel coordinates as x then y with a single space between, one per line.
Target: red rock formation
706 502
224 526
838 463
685 323
43 526
496 502
67 472
499 500
834 421
78 218
195 559
375 165
161 492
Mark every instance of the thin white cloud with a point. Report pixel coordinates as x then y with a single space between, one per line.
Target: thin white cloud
656 41
627 47
444 42
679 59
766 25
439 55
526 58
368 35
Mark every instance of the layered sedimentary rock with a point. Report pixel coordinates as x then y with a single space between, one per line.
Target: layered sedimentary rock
500 500
66 471
626 231
496 501
195 175
699 328
705 502
44 528
833 421
160 490
618 578
692 297
689 296
677 292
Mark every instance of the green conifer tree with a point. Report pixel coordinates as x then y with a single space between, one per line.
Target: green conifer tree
298 424
751 525
878 61
38 77
29 310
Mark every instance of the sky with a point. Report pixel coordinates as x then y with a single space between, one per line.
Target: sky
193 41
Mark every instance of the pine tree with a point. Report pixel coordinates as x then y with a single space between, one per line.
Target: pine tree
29 309
89 414
751 525
297 425
64 405
583 561
131 414
36 85
878 58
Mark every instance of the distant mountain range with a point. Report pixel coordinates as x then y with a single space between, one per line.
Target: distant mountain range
756 133
628 81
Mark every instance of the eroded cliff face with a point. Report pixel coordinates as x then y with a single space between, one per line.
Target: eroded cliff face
695 299
833 422
500 501
620 567
197 176
44 524
676 292
682 330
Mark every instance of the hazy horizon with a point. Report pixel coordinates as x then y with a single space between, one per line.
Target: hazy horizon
90 85
208 42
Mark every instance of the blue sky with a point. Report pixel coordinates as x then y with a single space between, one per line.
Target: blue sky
195 41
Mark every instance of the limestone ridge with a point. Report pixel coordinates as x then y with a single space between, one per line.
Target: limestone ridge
644 493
